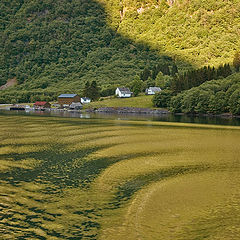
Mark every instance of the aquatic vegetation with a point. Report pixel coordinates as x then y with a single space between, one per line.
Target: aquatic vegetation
117 179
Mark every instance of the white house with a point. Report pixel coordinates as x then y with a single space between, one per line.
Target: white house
123 92
85 100
152 90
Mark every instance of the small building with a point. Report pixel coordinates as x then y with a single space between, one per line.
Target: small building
76 106
152 90
68 99
17 108
56 105
42 104
123 92
85 100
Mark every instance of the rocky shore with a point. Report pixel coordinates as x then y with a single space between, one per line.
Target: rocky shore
125 110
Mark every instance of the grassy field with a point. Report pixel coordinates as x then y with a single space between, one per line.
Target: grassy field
142 101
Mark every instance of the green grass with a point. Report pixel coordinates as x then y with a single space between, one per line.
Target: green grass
141 101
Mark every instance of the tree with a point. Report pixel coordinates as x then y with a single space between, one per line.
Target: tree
164 68
174 70
162 99
91 91
145 74
176 103
86 89
154 72
150 82
94 92
234 102
163 81
236 61
217 103
136 86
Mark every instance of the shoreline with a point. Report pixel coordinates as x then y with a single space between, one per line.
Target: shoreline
93 114
134 110
128 111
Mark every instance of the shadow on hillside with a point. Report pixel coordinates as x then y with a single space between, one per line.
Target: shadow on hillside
65 43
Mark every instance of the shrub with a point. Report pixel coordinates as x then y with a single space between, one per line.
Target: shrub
162 99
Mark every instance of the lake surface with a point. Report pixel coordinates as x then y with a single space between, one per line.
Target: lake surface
184 118
89 178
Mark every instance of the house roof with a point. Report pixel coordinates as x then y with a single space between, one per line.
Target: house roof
155 89
124 90
75 104
40 103
67 95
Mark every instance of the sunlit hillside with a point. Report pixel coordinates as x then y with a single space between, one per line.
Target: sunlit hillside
203 32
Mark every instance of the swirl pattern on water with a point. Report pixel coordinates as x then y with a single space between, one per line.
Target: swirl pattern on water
109 179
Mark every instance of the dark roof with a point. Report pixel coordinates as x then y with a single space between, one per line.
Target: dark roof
40 103
67 95
124 90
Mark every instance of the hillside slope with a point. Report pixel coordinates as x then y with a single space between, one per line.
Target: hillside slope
203 32
51 46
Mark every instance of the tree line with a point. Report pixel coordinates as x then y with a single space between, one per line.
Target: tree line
205 90
166 68
196 77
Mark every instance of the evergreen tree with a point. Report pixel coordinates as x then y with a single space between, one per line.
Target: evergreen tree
86 89
195 78
154 72
220 71
94 92
166 70
174 69
145 74
91 90
226 70
236 61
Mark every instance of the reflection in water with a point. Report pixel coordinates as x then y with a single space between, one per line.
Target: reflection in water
216 120
112 179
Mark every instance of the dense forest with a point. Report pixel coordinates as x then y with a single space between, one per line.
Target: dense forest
55 46
205 90
214 97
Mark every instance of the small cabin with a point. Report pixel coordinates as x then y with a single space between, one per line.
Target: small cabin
42 104
152 90
68 99
85 100
123 92
76 106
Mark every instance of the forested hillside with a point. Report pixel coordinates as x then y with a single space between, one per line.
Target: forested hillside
53 46
200 31
215 97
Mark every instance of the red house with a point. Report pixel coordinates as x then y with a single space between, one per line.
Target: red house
42 104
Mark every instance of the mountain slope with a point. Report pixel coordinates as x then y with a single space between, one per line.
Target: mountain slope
62 42
52 46
204 32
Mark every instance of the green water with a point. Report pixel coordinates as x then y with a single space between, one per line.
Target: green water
65 178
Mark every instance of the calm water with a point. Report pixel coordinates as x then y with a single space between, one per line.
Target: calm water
216 120
71 178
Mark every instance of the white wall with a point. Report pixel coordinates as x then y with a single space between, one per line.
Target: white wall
118 93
